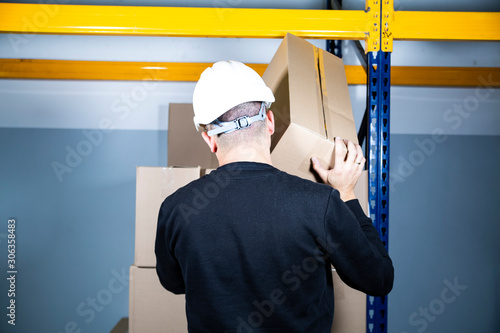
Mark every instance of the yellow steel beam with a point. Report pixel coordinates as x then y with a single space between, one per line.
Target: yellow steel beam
102 70
378 19
186 22
446 26
123 70
162 71
445 76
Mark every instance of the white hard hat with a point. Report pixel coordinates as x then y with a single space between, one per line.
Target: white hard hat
225 85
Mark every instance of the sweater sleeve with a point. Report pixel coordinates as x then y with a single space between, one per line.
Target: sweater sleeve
167 266
355 248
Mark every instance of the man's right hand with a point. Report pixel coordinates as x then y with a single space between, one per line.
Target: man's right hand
349 163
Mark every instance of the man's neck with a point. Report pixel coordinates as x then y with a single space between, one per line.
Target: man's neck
245 154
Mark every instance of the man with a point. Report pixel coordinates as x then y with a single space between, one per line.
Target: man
252 246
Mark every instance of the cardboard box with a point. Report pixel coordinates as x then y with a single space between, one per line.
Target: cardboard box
312 106
153 185
350 308
153 309
361 192
186 147
350 304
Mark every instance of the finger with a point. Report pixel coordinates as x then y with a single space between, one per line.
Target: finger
322 172
361 165
359 157
360 169
352 153
340 151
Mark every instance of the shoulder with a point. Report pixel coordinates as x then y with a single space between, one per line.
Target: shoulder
184 203
304 184
184 192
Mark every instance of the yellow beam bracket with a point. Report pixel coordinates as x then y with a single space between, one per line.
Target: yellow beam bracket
387 18
372 7
190 72
182 22
465 26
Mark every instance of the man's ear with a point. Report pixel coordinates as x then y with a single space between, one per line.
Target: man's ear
210 140
270 122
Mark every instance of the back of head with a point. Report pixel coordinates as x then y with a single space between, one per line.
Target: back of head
254 134
225 92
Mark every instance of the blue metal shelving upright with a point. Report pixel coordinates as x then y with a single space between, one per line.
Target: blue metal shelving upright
379 84
376 122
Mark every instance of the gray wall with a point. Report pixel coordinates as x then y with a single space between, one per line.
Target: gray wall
76 237
444 226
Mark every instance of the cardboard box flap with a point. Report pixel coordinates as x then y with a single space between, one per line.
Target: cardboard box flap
277 70
337 108
276 78
295 84
281 110
306 106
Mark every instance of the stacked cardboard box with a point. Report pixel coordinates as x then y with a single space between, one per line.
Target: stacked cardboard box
151 307
350 304
312 107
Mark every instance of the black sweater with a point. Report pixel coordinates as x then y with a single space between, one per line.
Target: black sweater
252 249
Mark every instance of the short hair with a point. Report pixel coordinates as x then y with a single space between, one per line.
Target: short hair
254 133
